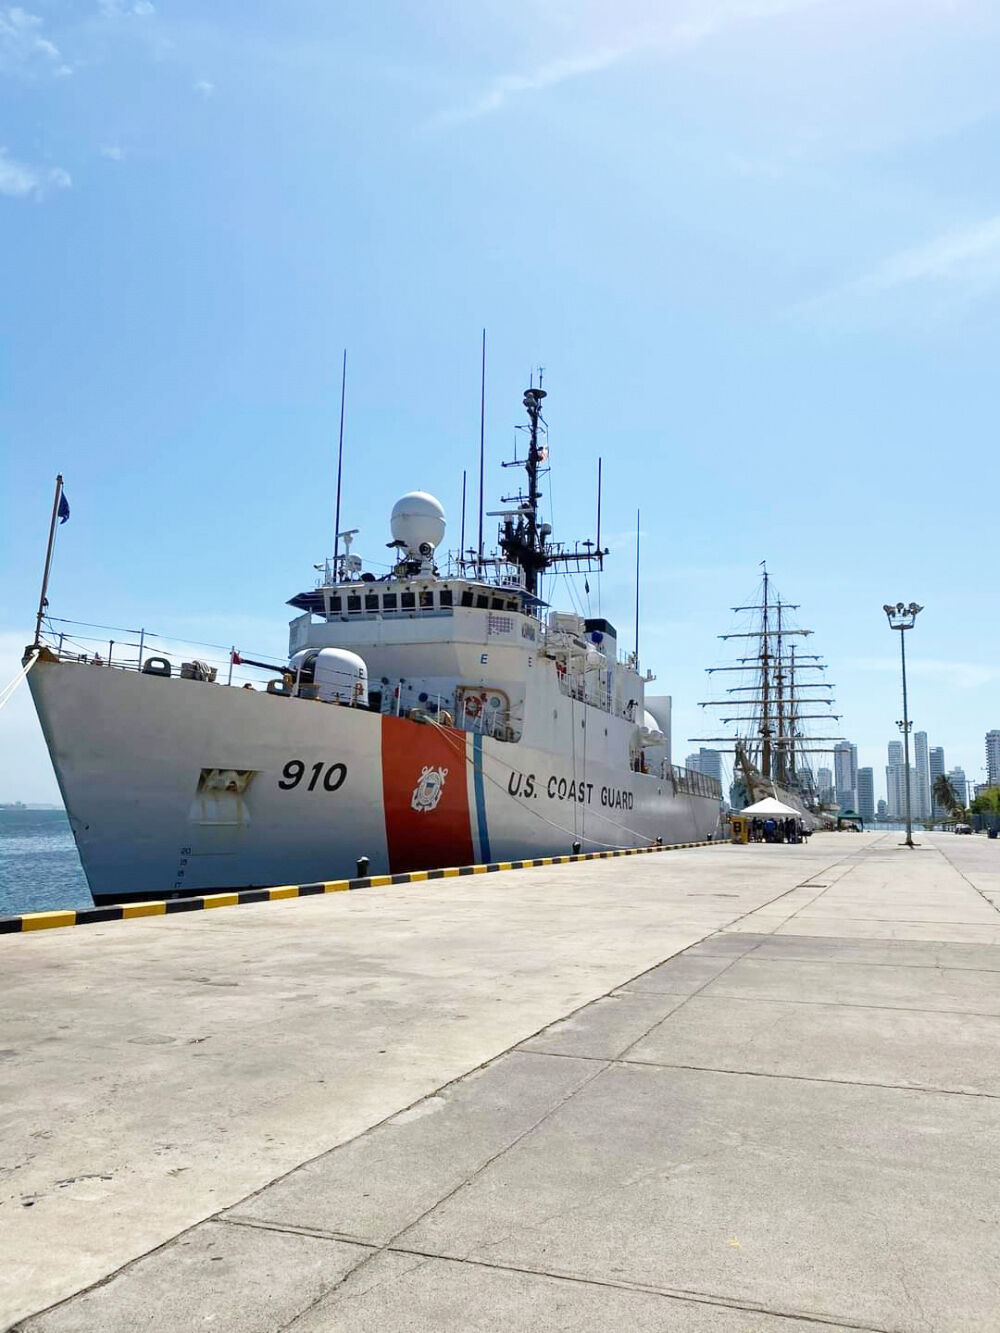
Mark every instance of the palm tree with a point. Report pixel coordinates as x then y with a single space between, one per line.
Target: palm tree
945 796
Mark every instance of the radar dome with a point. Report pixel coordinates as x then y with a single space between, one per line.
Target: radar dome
650 723
418 522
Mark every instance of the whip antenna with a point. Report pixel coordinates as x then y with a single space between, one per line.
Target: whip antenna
340 464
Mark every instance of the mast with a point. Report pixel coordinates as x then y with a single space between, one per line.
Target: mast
792 713
766 714
781 756
765 683
524 538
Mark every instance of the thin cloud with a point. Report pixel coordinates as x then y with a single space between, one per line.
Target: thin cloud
545 76
680 35
958 675
956 269
964 253
205 88
112 152
116 9
19 180
23 49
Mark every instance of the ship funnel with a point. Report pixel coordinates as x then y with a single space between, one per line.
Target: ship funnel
418 524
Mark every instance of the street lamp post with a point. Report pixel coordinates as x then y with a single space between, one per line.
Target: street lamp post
902 617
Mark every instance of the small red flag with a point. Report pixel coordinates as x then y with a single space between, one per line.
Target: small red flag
235 658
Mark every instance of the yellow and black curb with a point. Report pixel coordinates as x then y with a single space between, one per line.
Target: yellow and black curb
89 916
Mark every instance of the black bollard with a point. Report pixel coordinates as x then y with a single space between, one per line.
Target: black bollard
363 864
576 848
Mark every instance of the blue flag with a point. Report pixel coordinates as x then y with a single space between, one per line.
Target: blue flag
63 507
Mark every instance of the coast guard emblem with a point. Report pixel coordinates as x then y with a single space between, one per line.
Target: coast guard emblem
427 793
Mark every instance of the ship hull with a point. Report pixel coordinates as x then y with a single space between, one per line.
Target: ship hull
175 787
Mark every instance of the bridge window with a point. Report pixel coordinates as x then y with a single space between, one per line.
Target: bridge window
371 601
446 597
426 598
408 601
335 606
353 602
389 602
466 596
482 602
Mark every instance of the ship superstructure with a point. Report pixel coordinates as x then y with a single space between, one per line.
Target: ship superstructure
776 715
436 715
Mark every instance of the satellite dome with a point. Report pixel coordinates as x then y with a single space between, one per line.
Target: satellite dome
418 522
650 723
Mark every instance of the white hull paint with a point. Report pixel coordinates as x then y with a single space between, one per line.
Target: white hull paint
131 750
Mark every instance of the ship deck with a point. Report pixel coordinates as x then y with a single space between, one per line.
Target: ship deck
729 1090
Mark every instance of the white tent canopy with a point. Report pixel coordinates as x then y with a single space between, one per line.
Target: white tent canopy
769 808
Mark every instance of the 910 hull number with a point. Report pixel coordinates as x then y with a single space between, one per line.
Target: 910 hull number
323 776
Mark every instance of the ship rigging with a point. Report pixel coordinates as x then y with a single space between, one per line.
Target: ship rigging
770 740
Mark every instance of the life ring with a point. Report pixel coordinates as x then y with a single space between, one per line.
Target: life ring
473 706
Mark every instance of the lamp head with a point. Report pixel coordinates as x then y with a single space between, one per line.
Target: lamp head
901 616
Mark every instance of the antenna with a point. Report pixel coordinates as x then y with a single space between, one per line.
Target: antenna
598 505
637 517
340 465
461 544
524 538
482 455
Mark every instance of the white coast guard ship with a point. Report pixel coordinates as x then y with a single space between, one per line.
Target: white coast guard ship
423 719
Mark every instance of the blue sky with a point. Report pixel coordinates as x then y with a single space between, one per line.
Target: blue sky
755 243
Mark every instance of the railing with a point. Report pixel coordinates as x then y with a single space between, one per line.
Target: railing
126 649
690 781
122 649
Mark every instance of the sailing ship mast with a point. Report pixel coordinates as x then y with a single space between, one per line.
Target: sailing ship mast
770 746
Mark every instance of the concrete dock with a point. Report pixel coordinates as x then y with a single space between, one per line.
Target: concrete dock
725 1090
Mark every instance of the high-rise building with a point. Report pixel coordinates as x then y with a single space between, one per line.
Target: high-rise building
845 769
882 810
894 781
824 786
921 798
936 765
705 761
993 758
895 785
959 784
866 794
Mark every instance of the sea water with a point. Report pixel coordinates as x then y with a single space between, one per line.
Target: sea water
39 865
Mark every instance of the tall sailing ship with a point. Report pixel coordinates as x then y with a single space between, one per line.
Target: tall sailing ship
771 715
438 715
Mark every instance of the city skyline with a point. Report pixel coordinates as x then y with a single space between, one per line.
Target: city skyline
927 764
